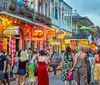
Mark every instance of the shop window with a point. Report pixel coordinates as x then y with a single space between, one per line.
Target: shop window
56 13
46 9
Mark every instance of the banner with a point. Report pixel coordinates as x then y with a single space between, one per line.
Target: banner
51 33
39 34
67 41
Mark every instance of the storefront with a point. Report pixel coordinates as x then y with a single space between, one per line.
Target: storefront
21 34
75 43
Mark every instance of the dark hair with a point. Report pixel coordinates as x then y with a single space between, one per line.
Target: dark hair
68 51
42 52
34 52
54 52
98 52
46 53
30 49
1 51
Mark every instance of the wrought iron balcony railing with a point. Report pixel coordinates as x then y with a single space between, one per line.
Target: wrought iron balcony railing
27 13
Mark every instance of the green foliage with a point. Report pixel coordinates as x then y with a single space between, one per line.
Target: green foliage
29 15
38 18
12 7
22 10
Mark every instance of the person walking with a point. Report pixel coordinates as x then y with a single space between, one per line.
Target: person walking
23 67
80 67
97 67
67 62
88 69
2 68
14 63
92 63
32 62
43 78
7 72
60 58
55 59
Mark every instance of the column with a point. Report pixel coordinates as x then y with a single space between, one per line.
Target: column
35 44
41 45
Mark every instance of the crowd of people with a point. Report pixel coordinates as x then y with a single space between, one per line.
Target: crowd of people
31 65
83 66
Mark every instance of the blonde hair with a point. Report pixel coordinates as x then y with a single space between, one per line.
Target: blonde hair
23 56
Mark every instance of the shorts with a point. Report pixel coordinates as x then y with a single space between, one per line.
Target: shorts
21 72
1 75
6 76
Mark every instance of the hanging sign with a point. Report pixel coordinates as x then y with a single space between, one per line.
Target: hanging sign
39 34
51 33
12 30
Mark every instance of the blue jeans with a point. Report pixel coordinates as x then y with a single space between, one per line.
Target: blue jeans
54 68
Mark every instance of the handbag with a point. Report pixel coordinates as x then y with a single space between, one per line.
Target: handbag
16 67
70 75
36 70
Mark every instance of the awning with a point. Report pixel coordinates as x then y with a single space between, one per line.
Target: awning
89 29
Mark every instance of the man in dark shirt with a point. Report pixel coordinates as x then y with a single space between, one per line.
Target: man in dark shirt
2 67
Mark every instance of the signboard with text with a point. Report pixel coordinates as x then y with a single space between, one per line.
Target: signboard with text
39 34
12 30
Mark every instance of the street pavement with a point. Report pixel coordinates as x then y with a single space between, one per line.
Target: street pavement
54 80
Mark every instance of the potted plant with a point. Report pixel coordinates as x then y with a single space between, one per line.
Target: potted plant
12 7
29 15
38 18
22 10
49 23
43 20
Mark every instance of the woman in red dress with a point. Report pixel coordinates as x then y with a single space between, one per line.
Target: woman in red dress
43 78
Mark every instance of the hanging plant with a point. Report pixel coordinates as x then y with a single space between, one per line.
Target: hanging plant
38 18
29 15
22 10
43 19
12 7
49 23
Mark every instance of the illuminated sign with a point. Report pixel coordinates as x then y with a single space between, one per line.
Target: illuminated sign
12 30
60 35
51 33
39 34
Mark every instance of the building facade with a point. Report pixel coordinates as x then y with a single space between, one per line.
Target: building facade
21 17
79 21
61 15
35 18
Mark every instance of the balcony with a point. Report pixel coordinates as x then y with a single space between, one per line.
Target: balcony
27 13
